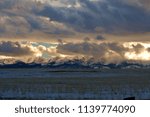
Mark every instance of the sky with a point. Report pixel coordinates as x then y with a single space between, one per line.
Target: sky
106 30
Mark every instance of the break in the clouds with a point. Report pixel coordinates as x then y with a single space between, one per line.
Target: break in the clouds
24 50
16 49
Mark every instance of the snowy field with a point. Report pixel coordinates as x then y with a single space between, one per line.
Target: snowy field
72 84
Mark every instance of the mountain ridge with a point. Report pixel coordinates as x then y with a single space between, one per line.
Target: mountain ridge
73 64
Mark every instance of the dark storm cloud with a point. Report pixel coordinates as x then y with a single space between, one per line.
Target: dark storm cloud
15 49
111 16
22 17
100 37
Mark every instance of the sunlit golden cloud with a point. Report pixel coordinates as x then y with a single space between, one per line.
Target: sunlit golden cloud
143 56
141 53
110 52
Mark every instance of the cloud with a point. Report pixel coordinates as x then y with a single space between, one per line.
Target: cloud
14 25
109 16
86 39
138 48
17 49
21 19
73 20
99 37
148 49
24 49
101 52
106 52
145 4
70 17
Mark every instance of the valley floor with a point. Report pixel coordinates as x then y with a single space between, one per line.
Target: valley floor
103 84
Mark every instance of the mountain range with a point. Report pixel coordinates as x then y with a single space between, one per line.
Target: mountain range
72 64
